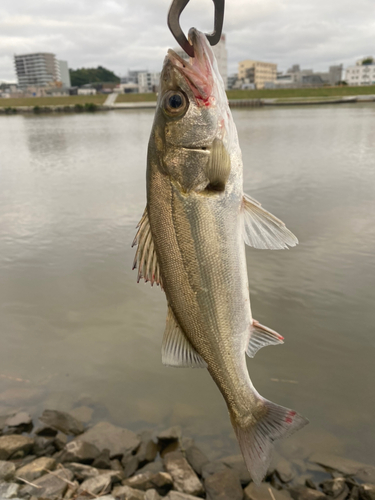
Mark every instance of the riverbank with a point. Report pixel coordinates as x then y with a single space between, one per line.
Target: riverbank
60 455
237 98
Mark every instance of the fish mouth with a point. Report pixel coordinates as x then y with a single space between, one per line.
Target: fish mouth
198 71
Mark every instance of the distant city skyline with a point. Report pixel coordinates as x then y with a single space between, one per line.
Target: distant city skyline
120 35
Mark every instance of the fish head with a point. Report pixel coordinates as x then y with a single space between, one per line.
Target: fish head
193 127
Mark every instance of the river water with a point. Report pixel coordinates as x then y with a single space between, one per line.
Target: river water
76 329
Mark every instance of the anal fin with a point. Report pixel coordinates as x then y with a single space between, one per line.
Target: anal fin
262 229
261 336
176 349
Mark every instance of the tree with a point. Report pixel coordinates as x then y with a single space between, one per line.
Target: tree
84 76
367 60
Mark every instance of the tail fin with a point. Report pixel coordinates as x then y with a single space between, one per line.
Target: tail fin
256 439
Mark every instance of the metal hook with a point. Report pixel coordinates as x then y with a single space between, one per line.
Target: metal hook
174 24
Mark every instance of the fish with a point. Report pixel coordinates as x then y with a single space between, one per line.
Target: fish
191 241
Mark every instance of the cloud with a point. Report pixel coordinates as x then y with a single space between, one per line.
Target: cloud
125 34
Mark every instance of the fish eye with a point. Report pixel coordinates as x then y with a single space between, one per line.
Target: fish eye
175 103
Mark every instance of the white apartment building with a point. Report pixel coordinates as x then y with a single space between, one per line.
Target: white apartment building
360 74
148 82
64 73
39 69
221 55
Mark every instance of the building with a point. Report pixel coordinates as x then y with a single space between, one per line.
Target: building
39 69
64 73
296 77
221 55
148 82
257 72
132 76
363 73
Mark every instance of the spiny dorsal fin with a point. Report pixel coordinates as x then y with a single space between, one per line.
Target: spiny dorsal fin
176 349
261 336
145 256
262 229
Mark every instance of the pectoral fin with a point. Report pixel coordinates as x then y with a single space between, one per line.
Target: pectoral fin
261 336
176 349
145 256
261 229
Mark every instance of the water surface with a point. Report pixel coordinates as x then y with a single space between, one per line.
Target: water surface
75 328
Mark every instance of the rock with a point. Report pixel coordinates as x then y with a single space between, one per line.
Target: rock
62 421
310 484
284 470
15 446
212 468
7 470
9 490
36 469
171 434
19 419
161 481
224 485
153 467
236 462
152 495
334 487
304 493
367 491
81 471
172 446
41 444
130 465
116 465
82 413
196 458
264 492
147 450
46 431
184 478
60 441
79 451
20 462
119 441
100 484
95 485
345 466
102 461
354 494
71 490
50 485
128 493
176 495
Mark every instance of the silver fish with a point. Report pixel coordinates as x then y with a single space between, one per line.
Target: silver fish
191 242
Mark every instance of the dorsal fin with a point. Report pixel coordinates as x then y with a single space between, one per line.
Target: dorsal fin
176 349
262 229
145 256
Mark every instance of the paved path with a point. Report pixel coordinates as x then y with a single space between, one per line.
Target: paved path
110 101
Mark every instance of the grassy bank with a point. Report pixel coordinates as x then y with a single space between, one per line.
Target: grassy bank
53 101
295 93
322 92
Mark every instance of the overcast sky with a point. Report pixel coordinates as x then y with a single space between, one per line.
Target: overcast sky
123 34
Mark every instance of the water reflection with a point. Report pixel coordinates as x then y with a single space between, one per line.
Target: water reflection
76 328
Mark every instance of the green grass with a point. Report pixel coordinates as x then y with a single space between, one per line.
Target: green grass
53 101
136 98
307 92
